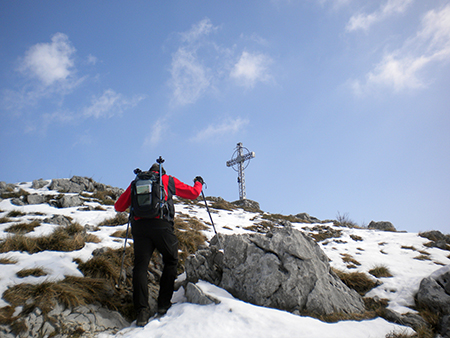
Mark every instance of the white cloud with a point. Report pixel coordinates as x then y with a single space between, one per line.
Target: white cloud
401 69
251 68
109 104
227 127
364 21
50 62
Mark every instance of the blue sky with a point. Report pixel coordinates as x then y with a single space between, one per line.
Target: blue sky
345 103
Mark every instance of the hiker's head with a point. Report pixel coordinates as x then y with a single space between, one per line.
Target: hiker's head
155 167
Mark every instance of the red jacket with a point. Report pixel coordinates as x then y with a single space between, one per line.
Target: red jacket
181 189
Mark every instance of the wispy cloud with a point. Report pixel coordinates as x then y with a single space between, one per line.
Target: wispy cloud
364 21
401 69
155 136
226 127
201 64
251 68
109 104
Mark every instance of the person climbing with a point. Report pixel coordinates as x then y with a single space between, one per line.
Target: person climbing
154 231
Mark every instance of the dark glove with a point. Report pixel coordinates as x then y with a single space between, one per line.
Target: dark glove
199 179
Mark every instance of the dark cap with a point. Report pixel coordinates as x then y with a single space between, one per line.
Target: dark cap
155 167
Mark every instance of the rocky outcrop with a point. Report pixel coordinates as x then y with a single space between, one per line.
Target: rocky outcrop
62 322
434 295
382 225
283 269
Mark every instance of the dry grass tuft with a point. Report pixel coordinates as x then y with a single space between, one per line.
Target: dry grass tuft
7 260
188 231
23 228
35 272
380 271
63 238
356 238
120 219
261 227
346 258
5 220
357 281
15 213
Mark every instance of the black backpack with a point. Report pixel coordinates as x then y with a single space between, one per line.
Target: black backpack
146 196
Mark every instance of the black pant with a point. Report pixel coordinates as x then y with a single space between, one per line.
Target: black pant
149 234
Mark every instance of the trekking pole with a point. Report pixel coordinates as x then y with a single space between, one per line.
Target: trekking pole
212 222
123 255
160 160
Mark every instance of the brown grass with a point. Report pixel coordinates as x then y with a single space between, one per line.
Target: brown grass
23 228
15 213
5 220
69 238
7 260
346 258
188 231
380 271
119 219
357 281
35 272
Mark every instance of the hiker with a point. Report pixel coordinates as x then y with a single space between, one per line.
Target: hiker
156 232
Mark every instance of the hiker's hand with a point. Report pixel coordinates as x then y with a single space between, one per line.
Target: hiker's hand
199 179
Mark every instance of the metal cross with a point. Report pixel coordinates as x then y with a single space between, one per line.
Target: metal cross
237 162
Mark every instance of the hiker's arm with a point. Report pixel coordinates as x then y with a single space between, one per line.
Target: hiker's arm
124 201
186 191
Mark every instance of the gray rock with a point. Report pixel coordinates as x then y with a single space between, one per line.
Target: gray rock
283 269
413 320
17 201
383 225
58 219
434 291
38 184
246 203
35 199
68 201
434 294
195 295
305 217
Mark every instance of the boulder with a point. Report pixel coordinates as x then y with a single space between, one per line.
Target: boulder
283 269
38 184
307 218
68 201
59 220
382 225
246 203
195 295
434 294
35 199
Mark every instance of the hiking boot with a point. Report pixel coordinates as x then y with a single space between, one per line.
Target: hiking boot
162 310
142 317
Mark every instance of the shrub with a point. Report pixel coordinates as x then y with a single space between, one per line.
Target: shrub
380 271
357 281
345 221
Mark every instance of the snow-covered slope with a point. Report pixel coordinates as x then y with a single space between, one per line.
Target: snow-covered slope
404 254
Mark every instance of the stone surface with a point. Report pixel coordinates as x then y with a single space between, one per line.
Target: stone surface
383 225
283 269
